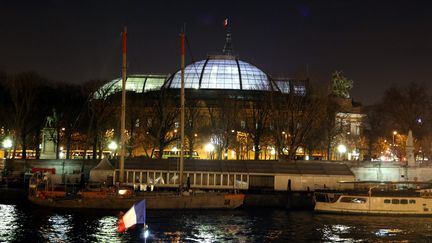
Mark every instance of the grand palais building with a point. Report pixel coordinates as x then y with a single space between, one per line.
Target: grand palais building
229 104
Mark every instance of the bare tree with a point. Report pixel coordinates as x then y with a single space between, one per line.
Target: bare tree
294 117
194 121
257 114
24 89
223 114
6 106
407 108
374 129
159 130
102 112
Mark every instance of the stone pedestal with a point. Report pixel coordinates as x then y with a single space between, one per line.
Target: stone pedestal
410 150
49 148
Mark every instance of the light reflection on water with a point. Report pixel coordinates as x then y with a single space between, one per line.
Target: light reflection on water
106 230
57 229
26 223
8 222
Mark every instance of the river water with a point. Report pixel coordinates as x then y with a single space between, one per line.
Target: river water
27 223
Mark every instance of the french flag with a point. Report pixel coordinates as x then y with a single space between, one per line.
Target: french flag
135 215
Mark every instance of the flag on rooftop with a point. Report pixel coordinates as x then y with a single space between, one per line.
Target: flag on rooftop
135 215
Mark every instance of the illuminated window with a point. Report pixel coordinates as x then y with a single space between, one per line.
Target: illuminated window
284 86
299 90
135 83
253 78
353 200
192 75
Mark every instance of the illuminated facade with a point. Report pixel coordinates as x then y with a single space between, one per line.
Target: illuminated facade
215 73
207 83
136 83
350 122
222 72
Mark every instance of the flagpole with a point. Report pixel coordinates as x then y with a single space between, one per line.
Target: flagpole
123 108
182 110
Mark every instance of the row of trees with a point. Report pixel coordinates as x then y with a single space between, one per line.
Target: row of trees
84 122
27 99
252 121
244 122
261 121
402 108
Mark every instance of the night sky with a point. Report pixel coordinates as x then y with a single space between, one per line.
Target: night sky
376 43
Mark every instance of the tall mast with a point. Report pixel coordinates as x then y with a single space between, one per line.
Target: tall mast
182 110
123 108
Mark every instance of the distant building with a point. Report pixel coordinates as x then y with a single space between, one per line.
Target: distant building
219 80
350 120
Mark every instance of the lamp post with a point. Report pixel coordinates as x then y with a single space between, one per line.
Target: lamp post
341 149
209 148
7 144
113 147
393 144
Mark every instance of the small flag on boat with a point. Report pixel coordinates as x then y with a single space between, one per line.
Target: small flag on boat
135 215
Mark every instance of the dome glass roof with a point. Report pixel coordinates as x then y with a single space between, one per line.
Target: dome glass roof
138 83
222 72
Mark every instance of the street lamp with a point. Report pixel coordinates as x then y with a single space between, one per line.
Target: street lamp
393 144
341 149
113 147
209 148
7 144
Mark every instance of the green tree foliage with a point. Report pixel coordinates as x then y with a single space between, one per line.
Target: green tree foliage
341 85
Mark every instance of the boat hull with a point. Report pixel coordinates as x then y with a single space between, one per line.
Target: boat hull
198 201
376 205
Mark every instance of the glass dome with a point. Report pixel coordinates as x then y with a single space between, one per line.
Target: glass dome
138 83
222 72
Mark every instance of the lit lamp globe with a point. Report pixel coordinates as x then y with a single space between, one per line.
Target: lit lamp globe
7 143
209 147
112 146
342 148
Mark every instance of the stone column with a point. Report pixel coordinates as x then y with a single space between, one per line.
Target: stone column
410 150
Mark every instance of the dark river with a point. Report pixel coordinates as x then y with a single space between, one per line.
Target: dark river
27 223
